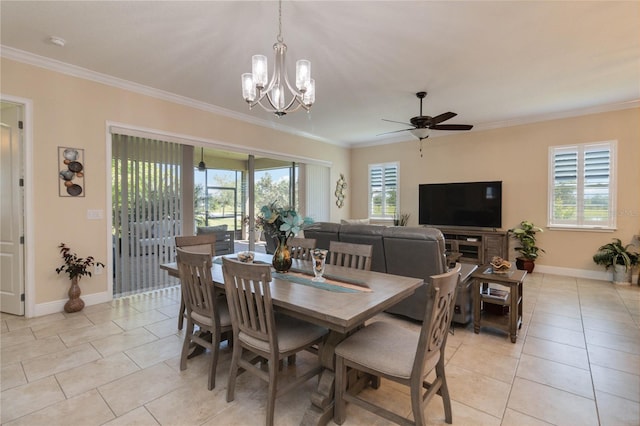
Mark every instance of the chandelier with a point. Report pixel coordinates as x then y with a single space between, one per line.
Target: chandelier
272 96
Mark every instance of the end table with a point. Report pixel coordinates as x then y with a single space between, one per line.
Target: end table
510 322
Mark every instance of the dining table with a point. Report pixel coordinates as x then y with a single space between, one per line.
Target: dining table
342 303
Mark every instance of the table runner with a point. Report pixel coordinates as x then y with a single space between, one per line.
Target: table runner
301 276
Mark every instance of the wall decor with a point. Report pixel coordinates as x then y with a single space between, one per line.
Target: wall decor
71 172
341 186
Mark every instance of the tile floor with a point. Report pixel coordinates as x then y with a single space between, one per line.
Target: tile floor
576 362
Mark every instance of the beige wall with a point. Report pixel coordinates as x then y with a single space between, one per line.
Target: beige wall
69 111
518 157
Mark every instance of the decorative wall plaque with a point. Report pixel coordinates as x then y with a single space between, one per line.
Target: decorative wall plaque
71 172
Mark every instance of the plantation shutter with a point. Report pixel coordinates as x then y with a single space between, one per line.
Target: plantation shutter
582 186
383 190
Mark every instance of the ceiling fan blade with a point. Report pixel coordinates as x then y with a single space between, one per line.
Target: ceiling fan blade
399 122
443 117
395 131
452 127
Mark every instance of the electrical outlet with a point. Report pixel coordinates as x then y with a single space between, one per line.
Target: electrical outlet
98 269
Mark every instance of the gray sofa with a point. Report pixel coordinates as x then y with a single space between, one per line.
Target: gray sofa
410 251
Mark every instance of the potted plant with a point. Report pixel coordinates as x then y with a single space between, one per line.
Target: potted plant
622 258
75 267
529 252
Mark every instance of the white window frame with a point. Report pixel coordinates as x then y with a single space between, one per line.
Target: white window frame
580 222
383 167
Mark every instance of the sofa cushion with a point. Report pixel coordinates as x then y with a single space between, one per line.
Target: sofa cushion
323 232
355 221
366 234
418 253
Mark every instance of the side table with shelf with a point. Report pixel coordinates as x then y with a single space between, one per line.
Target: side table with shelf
483 315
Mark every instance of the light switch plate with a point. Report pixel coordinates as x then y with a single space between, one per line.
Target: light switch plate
95 214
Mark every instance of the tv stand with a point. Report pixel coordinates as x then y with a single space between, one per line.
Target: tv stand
476 246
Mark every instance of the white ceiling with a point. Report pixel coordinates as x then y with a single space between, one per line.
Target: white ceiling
494 63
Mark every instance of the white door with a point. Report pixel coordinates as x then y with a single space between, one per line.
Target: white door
11 211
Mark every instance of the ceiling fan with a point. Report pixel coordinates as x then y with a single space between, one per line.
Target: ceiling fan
422 124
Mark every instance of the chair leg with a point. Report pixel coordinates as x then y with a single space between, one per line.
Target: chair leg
340 408
181 313
215 349
185 346
444 392
233 372
417 406
273 388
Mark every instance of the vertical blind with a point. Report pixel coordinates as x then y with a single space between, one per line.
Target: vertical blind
582 185
383 190
146 211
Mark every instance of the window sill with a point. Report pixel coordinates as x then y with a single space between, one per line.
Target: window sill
580 228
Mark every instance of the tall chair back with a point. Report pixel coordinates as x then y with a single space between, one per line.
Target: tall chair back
203 307
206 244
301 248
350 255
422 354
258 330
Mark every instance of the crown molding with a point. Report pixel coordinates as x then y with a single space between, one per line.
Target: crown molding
79 72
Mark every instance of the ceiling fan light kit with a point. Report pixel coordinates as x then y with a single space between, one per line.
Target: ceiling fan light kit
423 124
271 96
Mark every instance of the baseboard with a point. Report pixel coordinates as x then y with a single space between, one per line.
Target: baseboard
58 305
579 273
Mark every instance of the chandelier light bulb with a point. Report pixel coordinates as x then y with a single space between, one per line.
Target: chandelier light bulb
259 70
248 88
303 74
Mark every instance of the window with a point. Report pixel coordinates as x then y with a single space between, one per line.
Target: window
582 186
383 190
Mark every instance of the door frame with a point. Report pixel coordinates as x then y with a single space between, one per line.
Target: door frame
27 158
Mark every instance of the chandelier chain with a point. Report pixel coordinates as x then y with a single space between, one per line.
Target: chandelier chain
280 39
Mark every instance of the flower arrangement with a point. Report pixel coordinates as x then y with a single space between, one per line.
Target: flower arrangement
73 265
283 223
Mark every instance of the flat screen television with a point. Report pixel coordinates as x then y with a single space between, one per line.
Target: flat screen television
470 204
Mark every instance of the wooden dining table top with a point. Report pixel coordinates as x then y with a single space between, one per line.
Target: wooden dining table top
338 311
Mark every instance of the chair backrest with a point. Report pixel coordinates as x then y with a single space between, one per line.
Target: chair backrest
249 300
205 243
437 320
357 256
301 248
198 290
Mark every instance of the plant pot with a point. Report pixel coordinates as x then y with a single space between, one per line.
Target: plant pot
74 304
525 264
621 275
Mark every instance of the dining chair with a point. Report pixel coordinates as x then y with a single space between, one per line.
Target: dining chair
205 243
301 248
351 255
204 308
258 330
386 350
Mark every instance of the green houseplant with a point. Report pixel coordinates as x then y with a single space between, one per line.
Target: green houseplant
529 251
76 267
621 258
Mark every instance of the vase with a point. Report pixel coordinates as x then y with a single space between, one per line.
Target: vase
75 303
282 256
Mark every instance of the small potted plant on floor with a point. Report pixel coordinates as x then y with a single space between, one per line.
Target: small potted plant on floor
529 251
75 267
621 258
